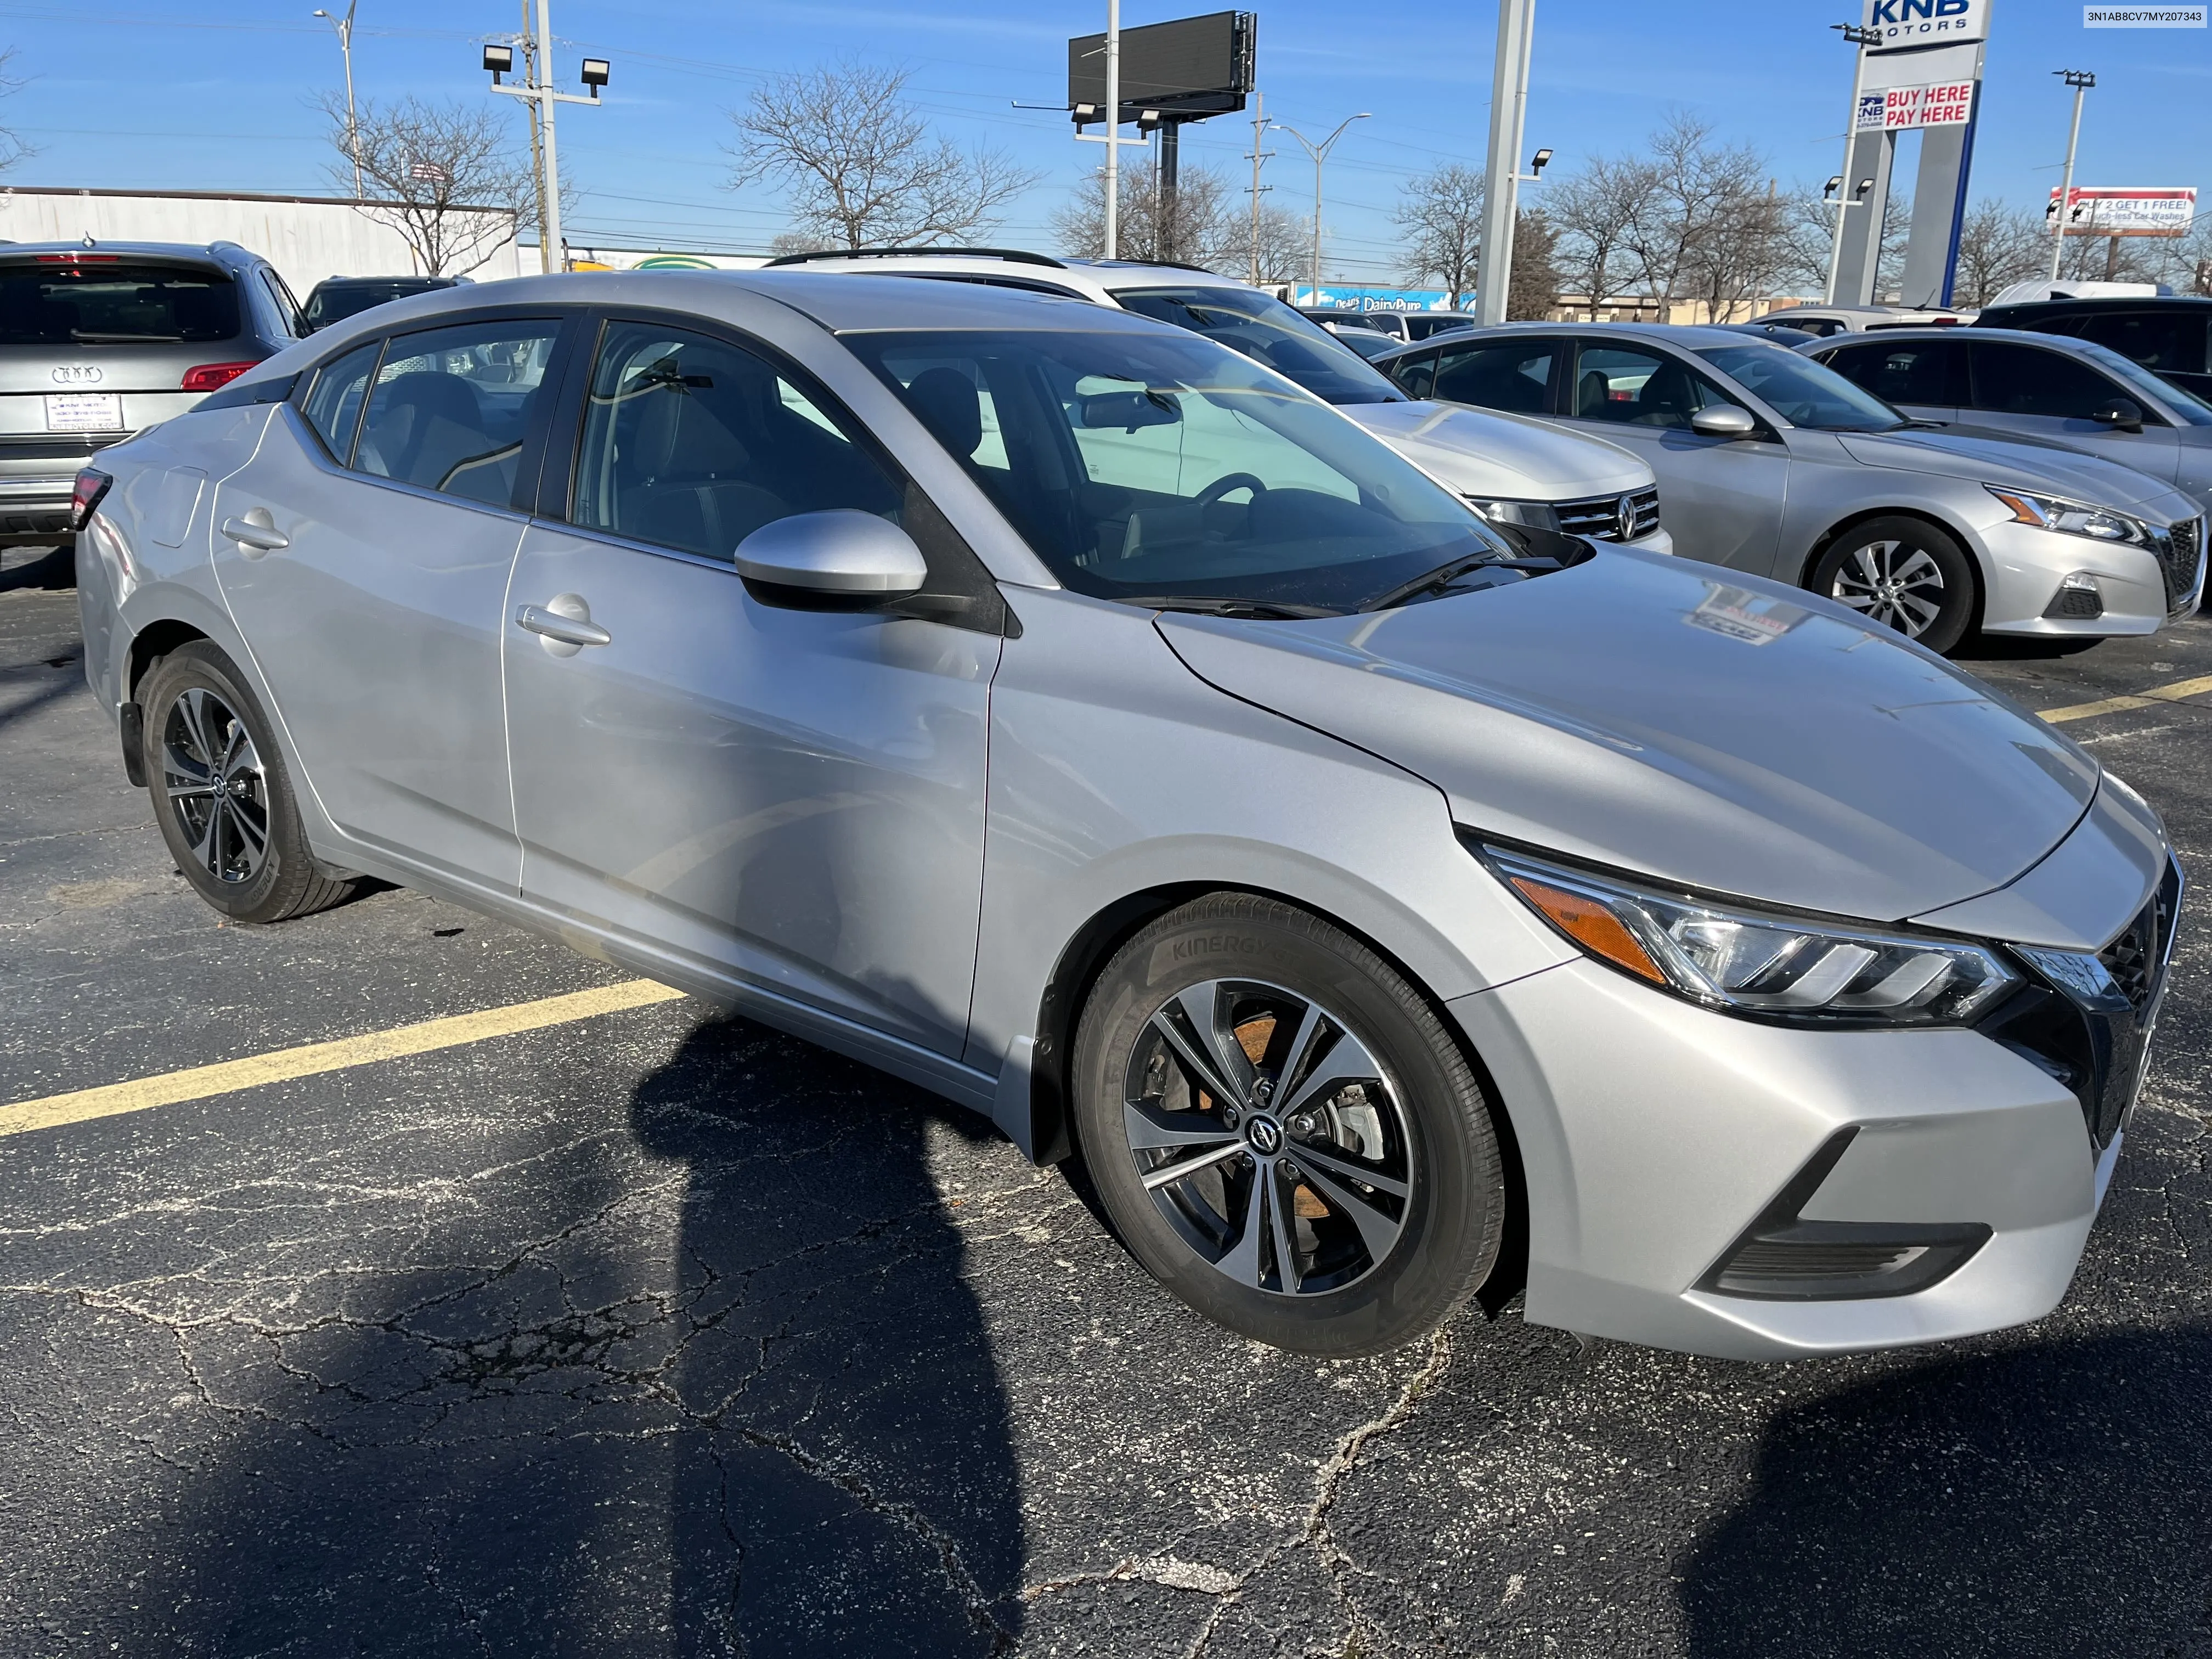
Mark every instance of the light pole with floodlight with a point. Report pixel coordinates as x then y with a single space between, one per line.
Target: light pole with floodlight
344 26
1320 154
499 61
2081 81
1846 200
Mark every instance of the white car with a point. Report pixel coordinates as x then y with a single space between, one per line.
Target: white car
1511 470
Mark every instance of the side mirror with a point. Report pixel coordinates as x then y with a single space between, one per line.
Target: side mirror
840 560
2121 414
1722 421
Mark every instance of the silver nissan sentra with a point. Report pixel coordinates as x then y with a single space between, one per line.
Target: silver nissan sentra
1067 714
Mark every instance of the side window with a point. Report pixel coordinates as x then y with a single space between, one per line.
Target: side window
693 443
2163 343
333 405
1417 375
1906 372
2022 379
1624 387
450 407
1515 375
288 308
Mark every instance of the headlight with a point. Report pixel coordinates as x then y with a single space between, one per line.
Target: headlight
2073 518
1536 515
1752 963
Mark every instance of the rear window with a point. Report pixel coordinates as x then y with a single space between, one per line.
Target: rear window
326 305
94 302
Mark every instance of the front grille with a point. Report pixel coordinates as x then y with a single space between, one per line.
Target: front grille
2181 564
2136 958
1600 517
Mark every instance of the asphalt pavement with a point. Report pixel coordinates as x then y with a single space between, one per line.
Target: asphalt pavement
655 1332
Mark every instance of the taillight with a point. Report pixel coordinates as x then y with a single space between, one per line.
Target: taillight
84 496
209 376
77 258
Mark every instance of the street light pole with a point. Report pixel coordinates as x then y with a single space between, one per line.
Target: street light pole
1501 201
2081 81
344 26
538 89
1113 129
1860 39
1320 154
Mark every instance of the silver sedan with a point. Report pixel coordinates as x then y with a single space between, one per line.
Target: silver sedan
1068 715
1774 464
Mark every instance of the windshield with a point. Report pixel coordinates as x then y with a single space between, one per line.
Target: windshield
1152 465
2184 406
1803 392
105 300
1266 331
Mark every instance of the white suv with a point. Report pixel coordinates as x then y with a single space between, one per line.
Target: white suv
1518 471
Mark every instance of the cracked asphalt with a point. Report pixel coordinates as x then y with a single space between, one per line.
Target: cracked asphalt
661 1334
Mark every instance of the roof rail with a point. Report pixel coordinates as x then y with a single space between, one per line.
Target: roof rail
1164 265
1012 255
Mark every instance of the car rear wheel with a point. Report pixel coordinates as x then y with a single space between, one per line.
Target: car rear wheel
1902 573
1284 1133
221 794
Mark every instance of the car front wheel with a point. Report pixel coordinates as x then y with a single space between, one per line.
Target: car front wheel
1902 573
1283 1131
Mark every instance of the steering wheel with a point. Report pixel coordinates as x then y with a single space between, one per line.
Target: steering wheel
1221 486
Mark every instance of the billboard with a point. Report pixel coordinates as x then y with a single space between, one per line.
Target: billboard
1192 67
1927 22
1945 104
2127 212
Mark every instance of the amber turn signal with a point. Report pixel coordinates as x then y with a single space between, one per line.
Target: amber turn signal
1591 925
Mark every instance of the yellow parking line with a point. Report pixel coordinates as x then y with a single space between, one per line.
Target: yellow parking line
110 1100
2174 693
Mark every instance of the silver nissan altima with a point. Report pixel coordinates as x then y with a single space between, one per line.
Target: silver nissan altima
1070 716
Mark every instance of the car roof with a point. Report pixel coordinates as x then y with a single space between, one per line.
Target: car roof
1016 265
2105 302
380 282
1689 336
220 253
1935 332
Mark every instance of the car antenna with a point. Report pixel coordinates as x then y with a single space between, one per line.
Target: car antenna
88 242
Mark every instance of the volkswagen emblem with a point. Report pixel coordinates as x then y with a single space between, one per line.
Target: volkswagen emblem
1264 1134
1623 517
77 374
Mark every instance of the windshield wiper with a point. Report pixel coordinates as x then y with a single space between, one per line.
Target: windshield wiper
1212 605
1441 578
86 337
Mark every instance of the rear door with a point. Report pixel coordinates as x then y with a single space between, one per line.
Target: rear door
1725 497
1925 379
365 552
2042 392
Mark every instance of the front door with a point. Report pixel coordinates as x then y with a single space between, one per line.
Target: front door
2042 394
1721 498
369 577
792 800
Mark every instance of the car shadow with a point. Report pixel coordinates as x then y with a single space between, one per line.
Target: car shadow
2048 1498
51 572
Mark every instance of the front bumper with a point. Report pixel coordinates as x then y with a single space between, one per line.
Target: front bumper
2138 591
1654 1136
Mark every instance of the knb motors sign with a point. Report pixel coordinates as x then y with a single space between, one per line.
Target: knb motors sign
1947 104
1927 22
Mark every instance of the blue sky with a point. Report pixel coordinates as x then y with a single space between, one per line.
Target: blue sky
154 94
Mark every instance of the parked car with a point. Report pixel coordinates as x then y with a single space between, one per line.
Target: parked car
1061 712
2171 336
2037 387
1780 333
101 339
1367 342
1516 471
1858 320
1398 325
335 298
1773 463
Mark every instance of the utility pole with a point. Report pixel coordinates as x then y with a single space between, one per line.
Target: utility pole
1859 39
1320 154
538 88
344 26
1113 129
1509 109
537 137
1260 153
2081 81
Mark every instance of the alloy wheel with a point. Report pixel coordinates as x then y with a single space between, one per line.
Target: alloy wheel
1269 1138
1892 583
214 782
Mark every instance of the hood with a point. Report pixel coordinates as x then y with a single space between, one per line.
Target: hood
1685 722
1480 452
2015 462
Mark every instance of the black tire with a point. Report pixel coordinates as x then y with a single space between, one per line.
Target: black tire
221 795
1420 1127
1903 573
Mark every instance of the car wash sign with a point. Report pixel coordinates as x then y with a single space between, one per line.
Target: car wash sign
1927 22
1945 104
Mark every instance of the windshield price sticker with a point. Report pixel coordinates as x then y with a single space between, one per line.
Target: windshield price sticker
84 411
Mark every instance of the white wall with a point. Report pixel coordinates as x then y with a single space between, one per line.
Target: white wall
305 239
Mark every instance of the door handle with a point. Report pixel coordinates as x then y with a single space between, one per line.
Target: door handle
257 531
564 623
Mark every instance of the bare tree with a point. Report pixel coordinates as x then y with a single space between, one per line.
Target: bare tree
444 175
860 166
1677 233
1441 213
1998 246
1532 288
1285 245
12 147
1199 225
1592 211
